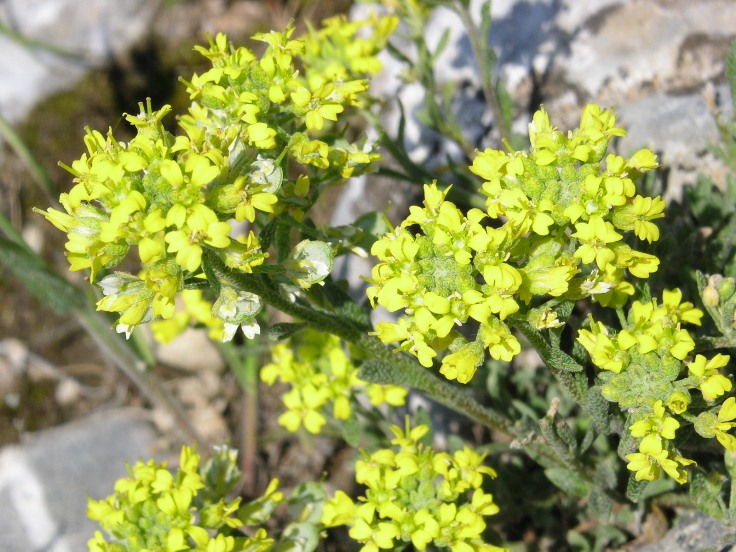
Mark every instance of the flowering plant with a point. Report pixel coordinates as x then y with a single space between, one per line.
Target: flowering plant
551 246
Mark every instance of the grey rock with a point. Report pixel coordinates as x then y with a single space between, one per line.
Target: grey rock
87 34
695 532
45 483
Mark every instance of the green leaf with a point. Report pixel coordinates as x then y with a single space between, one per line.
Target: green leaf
568 481
506 103
635 489
600 504
36 168
346 305
351 430
441 45
266 235
705 493
552 356
50 288
298 537
400 135
597 407
282 243
374 225
578 542
563 310
658 487
304 499
284 330
731 72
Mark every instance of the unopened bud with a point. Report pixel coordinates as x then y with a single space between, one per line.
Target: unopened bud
710 296
309 263
726 289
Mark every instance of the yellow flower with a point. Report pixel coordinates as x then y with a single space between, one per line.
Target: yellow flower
711 382
596 234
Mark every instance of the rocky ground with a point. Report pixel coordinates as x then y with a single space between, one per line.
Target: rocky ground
68 418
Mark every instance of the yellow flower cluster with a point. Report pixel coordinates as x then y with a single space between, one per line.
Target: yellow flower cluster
569 184
419 496
561 209
252 125
324 382
339 52
154 509
649 371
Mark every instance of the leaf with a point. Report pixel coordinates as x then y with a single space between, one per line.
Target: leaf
731 72
635 489
284 330
400 136
267 233
346 305
50 288
282 242
374 225
303 500
597 407
600 505
568 481
298 537
351 430
578 542
552 356
705 493
563 311
658 487
441 45
506 103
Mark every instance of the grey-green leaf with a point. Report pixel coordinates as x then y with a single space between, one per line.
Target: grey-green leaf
46 285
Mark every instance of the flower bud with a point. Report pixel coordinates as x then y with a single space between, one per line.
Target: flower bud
678 402
705 424
710 296
726 289
309 263
266 173
236 307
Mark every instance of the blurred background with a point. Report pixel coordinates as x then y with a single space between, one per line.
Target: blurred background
70 418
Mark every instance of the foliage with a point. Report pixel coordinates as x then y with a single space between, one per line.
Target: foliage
553 246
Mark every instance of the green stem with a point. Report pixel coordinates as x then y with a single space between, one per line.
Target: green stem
389 366
124 358
486 59
712 343
32 43
245 367
23 151
12 234
404 370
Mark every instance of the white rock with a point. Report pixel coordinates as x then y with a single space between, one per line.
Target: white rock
91 32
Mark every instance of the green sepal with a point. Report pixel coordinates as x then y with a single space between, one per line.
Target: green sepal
303 502
298 537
